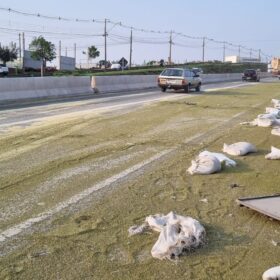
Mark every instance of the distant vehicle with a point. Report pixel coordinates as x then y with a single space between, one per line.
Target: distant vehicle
179 78
251 75
116 66
275 65
4 70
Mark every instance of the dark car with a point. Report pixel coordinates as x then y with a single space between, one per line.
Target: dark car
251 75
179 78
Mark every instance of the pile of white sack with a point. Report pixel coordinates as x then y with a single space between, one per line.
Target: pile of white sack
178 234
271 117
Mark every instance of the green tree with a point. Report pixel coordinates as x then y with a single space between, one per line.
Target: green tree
93 52
8 54
42 50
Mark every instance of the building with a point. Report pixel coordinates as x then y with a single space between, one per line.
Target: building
239 59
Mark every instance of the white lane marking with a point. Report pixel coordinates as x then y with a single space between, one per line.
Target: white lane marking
15 230
229 87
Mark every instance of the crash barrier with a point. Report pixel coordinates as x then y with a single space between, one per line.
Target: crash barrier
43 87
108 84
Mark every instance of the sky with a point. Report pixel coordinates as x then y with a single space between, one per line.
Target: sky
249 23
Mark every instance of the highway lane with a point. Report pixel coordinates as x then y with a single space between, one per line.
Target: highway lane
59 176
10 117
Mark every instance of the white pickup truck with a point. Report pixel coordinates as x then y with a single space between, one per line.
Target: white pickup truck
4 70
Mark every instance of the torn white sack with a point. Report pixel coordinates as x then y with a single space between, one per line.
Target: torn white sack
274 154
239 149
178 235
204 165
221 157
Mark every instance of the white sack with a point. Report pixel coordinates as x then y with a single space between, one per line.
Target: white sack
239 148
272 273
205 165
265 120
274 111
276 131
221 157
177 235
275 154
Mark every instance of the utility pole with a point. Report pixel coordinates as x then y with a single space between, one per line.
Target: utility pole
259 55
250 53
23 51
224 52
170 49
130 53
59 55
65 51
19 45
105 42
239 53
203 49
23 43
75 52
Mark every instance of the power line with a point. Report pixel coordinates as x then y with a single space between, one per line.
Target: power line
116 23
50 32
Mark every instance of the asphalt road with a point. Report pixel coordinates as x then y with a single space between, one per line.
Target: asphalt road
29 113
75 175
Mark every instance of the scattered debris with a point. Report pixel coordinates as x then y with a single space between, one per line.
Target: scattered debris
205 164
239 149
190 103
272 273
135 229
249 123
274 243
234 185
205 200
275 153
178 234
267 205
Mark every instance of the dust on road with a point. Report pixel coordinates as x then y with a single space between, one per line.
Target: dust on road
50 162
